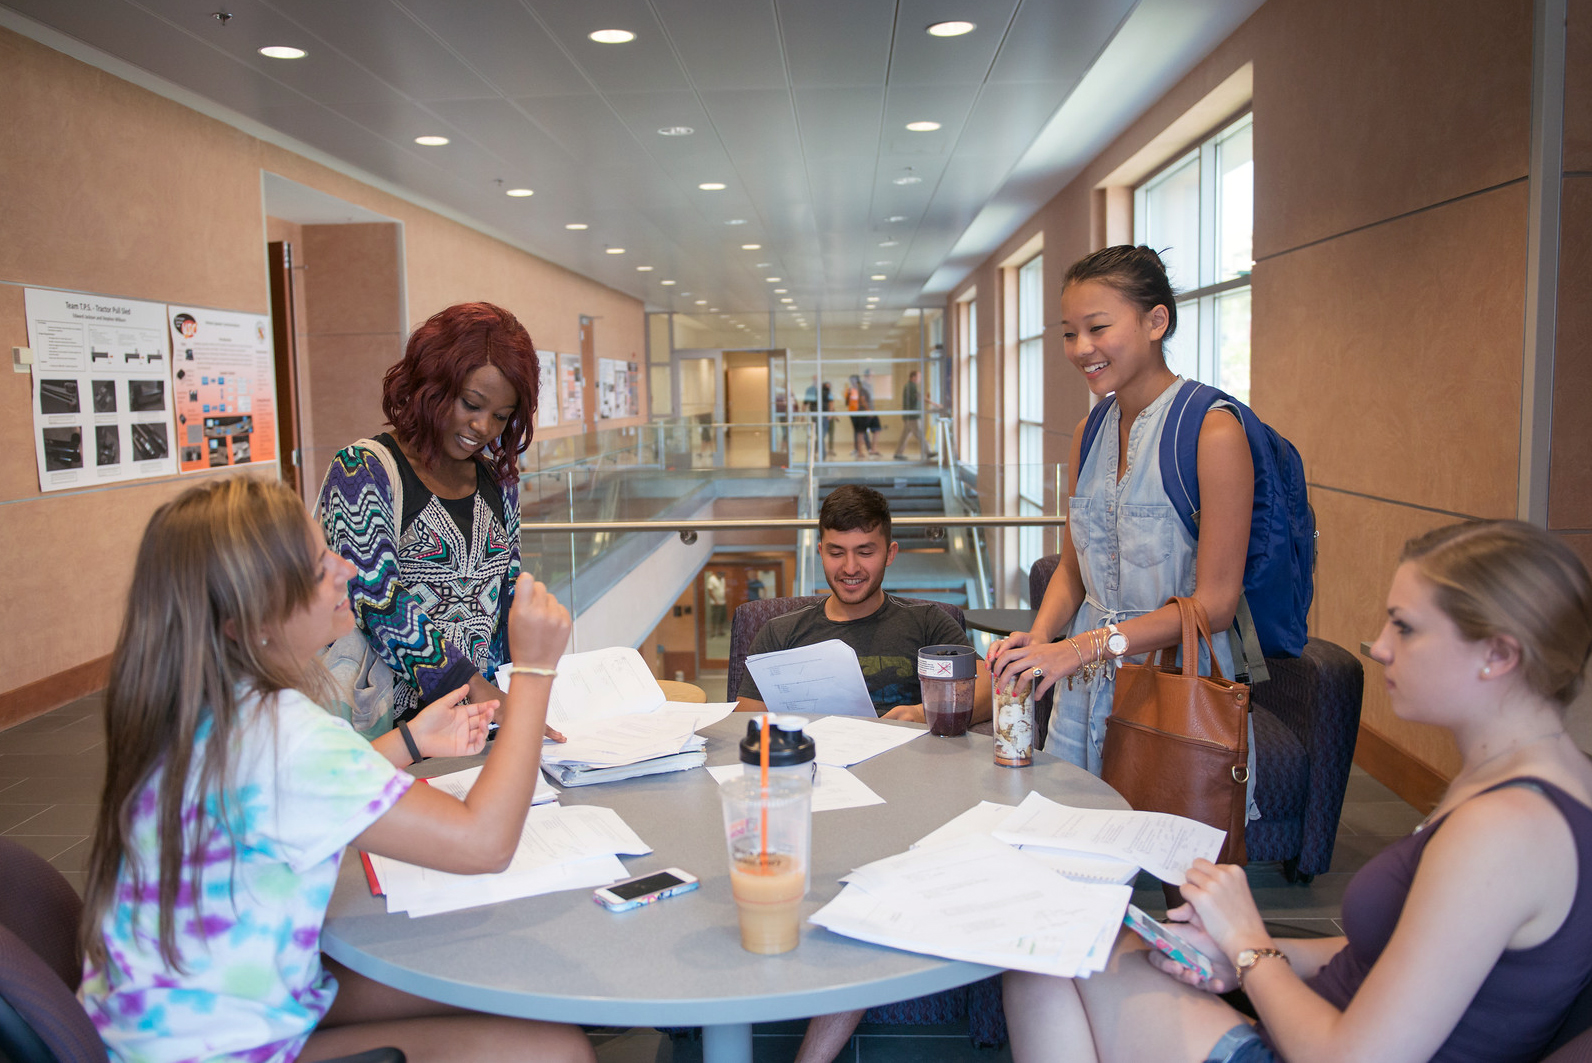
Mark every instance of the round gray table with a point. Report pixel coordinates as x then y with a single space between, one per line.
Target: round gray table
679 962
1000 622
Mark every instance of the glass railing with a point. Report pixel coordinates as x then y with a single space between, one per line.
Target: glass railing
627 534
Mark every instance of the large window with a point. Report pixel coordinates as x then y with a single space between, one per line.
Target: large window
968 313
1199 213
1030 407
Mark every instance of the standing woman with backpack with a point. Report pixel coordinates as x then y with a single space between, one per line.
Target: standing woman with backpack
1125 550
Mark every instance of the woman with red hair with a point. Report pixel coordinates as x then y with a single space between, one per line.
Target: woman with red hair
429 514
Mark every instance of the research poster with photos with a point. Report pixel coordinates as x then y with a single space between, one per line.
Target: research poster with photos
224 388
571 390
102 409
547 390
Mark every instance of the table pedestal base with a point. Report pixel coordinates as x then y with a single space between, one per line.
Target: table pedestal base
729 1042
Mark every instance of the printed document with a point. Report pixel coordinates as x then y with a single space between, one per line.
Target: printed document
458 784
986 817
623 740
843 741
820 679
1163 844
834 788
604 684
980 901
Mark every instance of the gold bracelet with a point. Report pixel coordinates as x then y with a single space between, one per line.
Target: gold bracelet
1081 663
532 669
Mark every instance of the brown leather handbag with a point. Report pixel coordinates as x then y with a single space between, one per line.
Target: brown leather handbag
1178 741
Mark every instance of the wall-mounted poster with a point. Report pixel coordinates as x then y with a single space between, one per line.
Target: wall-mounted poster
547 389
633 371
102 408
571 396
224 383
608 399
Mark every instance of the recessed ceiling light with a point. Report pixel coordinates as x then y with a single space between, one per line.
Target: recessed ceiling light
888 243
612 36
676 131
896 217
685 295
877 277
282 51
736 221
751 247
431 142
519 193
873 298
666 283
787 299
577 226
764 265
951 29
907 179
923 127
885 262
711 186
772 280
714 310
614 250
643 269
702 302
781 291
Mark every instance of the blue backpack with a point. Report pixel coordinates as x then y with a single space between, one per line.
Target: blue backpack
1279 573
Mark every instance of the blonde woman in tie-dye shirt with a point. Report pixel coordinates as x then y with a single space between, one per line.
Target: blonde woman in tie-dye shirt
230 796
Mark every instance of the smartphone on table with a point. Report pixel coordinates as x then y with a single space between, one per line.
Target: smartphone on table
1164 939
644 889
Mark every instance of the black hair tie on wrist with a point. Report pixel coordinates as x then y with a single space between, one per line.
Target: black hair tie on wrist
409 740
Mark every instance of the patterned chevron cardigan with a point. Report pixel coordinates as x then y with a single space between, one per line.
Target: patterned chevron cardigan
356 509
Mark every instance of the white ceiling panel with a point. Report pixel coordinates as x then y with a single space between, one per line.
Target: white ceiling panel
502 42
837 42
725 44
798 106
382 38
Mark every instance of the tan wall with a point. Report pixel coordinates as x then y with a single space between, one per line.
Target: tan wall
1390 236
110 188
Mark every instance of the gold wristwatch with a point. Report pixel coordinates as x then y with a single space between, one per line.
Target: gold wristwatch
1249 957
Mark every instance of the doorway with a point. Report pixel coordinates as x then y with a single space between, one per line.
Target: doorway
722 587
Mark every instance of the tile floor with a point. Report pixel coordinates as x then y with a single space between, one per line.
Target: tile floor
51 769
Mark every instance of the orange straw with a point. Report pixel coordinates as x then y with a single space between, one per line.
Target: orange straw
762 759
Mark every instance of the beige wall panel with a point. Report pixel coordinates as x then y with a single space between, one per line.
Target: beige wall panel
1570 467
1578 87
1365 110
111 189
1391 356
346 378
19 467
1359 548
357 283
1581 543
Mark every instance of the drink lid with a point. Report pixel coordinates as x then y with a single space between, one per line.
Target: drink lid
947 662
788 744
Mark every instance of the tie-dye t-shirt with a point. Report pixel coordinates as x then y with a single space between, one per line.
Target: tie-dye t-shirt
304 786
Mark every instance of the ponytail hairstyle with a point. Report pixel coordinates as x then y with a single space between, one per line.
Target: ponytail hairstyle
1506 577
219 567
1136 272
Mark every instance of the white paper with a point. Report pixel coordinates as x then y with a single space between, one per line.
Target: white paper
553 836
576 874
978 900
834 788
458 784
843 741
982 818
1162 844
623 740
986 817
101 389
820 679
701 714
597 685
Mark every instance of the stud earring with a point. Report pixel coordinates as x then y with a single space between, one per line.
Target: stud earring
1486 671
265 642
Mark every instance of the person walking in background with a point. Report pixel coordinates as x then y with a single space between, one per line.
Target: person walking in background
713 587
911 423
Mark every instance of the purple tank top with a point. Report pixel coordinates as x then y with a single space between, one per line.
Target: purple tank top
1523 1000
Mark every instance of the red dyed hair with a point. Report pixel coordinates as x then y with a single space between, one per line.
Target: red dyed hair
417 392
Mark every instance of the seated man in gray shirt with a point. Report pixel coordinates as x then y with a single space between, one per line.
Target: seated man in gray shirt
855 545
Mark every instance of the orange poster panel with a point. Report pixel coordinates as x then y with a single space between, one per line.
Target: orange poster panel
224 385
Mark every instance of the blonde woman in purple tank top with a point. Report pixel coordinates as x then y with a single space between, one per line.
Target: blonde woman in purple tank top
1466 941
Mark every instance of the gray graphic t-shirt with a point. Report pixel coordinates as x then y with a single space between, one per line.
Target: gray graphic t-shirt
886 642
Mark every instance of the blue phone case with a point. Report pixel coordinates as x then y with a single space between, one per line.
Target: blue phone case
667 891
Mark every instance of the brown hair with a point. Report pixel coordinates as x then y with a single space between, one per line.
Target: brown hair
218 566
417 392
1506 577
853 507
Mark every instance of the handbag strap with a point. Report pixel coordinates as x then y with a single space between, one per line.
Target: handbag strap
1196 623
394 481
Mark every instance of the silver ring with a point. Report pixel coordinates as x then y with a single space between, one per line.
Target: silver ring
1039 673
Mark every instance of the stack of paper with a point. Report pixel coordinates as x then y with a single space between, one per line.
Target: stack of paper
843 741
623 748
986 817
560 848
812 680
833 788
1163 844
977 900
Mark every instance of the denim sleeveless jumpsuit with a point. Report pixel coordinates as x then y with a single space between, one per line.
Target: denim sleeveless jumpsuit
1134 554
